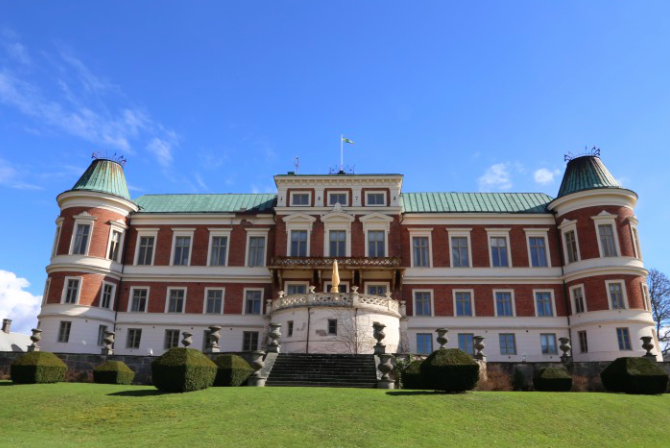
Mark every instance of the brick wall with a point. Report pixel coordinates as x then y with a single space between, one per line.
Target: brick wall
101 229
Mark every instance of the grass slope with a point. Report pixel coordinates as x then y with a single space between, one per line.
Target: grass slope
92 415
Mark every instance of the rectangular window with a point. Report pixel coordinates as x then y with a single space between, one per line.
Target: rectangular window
422 305
134 338
289 329
296 288
176 301
571 246
343 288
72 291
82 234
115 246
64 331
420 251
607 244
300 199
538 251
376 243
139 303
377 290
623 335
463 303
636 242
256 251
504 304
249 341
219 249
543 304
499 252
616 296
252 302
298 243
466 343
338 240
375 199
54 249
214 301
181 250
332 327
583 342
424 343
578 298
146 251
548 343
171 339
101 335
459 252
107 295
337 198
507 344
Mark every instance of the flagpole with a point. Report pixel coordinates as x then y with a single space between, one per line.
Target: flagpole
341 153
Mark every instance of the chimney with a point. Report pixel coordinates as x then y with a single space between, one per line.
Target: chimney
6 323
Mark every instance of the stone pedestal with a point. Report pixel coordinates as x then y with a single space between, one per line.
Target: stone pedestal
482 369
257 363
385 384
275 334
256 381
385 368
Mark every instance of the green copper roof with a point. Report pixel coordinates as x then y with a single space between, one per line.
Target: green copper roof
475 202
104 176
206 203
586 173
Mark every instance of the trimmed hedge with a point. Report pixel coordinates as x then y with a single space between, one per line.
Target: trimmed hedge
552 379
232 371
411 376
38 367
635 376
113 372
449 370
182 369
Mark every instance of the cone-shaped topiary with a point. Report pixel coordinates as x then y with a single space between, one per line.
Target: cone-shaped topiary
38 367
635 376
182 370
113 372
411 376
232 370
450 370
552 379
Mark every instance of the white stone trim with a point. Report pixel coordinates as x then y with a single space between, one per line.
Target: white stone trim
181 232
45 294
116 226
566 226
623 292
309 198
604 218
432 302
635 237
113 298
244 301
204 300
538 233
459 232
495 303
645 296
131 293
86 219
573 300
421 233
553 301
472 300
498 233
263 232
64 291
167 298
59 229
152 232
298 222
216 232
599 197
337 221
92 199
377 221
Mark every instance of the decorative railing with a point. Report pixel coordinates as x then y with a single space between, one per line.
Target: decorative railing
343 262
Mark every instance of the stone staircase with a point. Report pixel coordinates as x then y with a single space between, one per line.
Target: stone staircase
323 370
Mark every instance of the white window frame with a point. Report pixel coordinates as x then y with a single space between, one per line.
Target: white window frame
565 227
377 221
382 192
421 233
130 299
116 226
337 221
204 300
309 198
217 233
64 292
85 219
645 296
45 294
623 291
299 221
113 298
538 233
145 232
606 218
366 284
262 233
289 240
304 283
460 233
499 233
574 300
244 302
329 283
553 301
59 229
338 192
635 237
472 301
167 298
432 302
495 301
179 232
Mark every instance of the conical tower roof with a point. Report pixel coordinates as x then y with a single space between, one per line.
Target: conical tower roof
586 173
104 176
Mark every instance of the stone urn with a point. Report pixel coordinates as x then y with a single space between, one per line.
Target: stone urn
35 337
379 335
565 347
479 346
214 338
257 363
109 341
275 334
385 368
648 346
187 339
442 336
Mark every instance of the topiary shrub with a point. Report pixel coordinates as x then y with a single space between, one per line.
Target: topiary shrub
113 372
634 376
38 367
182 370
449 370
411 376
552 379
232 371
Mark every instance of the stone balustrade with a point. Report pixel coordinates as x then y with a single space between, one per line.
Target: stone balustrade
348 300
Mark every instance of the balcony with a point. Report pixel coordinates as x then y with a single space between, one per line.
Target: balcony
384 304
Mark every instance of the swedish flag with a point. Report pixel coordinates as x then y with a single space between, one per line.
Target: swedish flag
346 140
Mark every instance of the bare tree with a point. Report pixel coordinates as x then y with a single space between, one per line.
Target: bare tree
659 296
354 332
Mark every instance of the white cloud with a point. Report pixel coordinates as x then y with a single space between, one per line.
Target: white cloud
17 304
496 177
162 150
11 177
544 176
200 181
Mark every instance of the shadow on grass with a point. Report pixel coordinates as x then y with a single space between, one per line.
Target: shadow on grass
401 393
137 393
6 383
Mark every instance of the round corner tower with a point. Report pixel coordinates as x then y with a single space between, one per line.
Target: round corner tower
86 259
604 274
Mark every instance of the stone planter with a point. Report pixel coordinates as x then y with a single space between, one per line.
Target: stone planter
565 348
385 368
479 346
109 341
275 334
187 339
442 336
257 363
214 338
648 346
379 335
35 337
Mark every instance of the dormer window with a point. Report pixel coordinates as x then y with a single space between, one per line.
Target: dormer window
338 198
375 198
300 199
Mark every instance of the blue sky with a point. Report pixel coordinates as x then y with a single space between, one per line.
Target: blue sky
219 96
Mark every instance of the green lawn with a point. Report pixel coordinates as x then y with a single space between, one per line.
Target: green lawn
70 414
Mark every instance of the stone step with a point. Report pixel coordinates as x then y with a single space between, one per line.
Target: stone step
310 384
314 370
